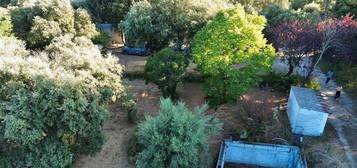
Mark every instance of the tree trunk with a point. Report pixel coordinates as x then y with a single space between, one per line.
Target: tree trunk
291 70
327 7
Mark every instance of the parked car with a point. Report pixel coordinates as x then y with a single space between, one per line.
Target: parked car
135 51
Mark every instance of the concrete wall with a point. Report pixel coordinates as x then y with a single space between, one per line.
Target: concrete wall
293 109
312 122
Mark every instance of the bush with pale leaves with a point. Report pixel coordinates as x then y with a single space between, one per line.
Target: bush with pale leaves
52 103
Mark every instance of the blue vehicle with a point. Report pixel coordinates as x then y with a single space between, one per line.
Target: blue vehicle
135 51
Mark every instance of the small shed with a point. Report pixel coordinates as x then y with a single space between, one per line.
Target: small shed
260 154
305 112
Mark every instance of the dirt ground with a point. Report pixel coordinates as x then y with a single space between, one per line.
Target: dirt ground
118 131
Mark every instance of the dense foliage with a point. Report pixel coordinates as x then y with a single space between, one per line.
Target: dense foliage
340 36
260 5
5 23
156 23
295 40
283 83
81 57
166 69
232 51
106 11
344 7
5 3
177 137
38 24
53 102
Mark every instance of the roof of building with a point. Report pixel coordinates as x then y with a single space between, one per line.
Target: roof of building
307 98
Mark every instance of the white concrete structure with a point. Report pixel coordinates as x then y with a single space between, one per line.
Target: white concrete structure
305 112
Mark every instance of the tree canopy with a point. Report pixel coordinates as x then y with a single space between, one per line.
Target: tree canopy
52 103
232 52
38 24
5 23
177 137
344 7
106 11
166 69
160 22
260 5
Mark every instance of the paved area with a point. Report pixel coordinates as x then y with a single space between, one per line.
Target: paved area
343 116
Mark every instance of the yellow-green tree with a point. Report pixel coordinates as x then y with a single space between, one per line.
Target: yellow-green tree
231 51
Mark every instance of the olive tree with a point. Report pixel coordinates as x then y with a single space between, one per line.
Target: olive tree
160 22
83 59
177 137
52 103
38 24
231 51
166 69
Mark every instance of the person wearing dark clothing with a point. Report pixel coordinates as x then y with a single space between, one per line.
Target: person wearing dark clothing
338 92
328 76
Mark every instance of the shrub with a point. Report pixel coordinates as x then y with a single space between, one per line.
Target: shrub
313 83
283 83
312 7
102 39
176 137
129 105
231 51
82 58
256 115
38 24
5 23
166 69
52 104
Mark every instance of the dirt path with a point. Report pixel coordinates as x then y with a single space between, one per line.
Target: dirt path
343 116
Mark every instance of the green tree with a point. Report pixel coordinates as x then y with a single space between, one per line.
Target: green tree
38 24
83 59
232 52
5 23
52 109
5 3
107 11
159 22
166 69
260 5
344 7
176 137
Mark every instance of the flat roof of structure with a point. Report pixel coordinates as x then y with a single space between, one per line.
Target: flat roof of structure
307 98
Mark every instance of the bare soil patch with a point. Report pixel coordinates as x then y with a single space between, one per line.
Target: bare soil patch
118 131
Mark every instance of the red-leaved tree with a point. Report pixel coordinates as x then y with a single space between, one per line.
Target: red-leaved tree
340 35
296 40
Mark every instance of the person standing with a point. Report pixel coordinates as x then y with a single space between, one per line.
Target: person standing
338 92
329 76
